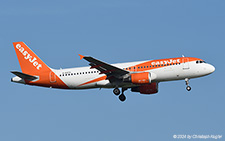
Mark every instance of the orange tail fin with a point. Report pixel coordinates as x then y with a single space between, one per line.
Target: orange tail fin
30 63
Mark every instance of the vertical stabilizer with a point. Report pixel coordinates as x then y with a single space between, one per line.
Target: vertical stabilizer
30 63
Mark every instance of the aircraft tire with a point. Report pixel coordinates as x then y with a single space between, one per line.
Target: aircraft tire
188 88
116 91
122 97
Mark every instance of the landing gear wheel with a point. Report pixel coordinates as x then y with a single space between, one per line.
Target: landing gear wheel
188 88
122 97
116 91
187 83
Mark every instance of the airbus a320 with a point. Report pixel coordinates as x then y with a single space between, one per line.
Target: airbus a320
141 76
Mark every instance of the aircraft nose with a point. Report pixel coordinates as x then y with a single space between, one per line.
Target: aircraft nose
211 68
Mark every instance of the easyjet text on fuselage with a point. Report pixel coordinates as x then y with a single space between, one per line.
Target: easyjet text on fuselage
169 61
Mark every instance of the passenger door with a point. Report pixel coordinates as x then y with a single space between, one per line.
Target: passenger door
185 63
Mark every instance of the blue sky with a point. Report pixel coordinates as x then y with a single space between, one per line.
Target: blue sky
112 31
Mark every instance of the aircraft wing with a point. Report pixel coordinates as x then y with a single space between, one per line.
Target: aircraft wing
104 68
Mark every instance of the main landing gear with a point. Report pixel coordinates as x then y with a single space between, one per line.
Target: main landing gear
187 83
116 91
122 97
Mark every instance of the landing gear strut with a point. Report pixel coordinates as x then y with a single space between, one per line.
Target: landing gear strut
187 83
122 97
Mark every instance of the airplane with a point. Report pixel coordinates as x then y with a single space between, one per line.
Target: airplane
141 76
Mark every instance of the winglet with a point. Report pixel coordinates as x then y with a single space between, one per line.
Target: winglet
81 56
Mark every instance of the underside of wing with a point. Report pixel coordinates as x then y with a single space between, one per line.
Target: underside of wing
105 68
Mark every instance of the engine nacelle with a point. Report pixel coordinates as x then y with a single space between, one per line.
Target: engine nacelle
139 78
146 89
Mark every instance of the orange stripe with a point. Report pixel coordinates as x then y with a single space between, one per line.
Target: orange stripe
95 80
44 81
160 63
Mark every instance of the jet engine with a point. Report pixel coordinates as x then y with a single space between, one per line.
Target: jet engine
139 78
146 89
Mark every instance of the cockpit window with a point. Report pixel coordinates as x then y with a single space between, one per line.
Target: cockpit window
200 61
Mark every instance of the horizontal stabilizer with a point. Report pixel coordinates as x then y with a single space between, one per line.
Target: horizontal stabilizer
24 76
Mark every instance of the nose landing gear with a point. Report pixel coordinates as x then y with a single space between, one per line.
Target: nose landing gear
188 88
122 97
187 83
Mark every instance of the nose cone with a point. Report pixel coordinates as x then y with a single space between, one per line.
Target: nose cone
211 68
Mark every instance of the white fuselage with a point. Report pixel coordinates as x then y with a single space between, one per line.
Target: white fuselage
81 78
